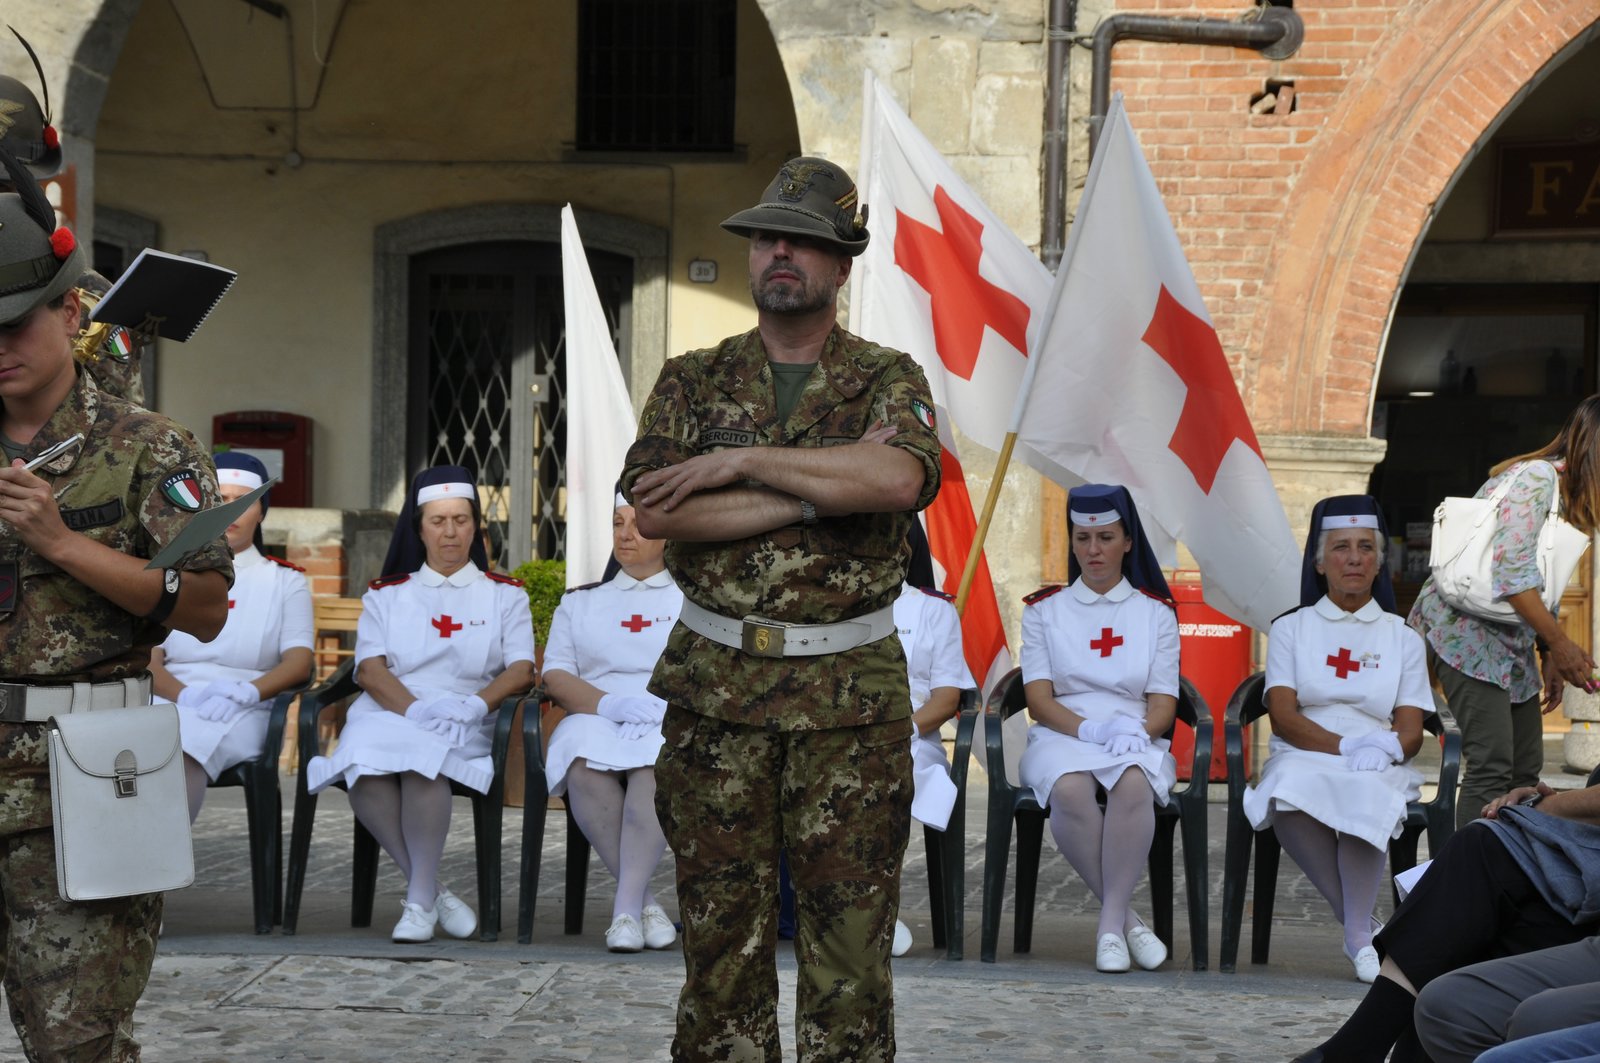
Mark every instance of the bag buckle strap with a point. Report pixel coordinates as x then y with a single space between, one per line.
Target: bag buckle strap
126 767
762 638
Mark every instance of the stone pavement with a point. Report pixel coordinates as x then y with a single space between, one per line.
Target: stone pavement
331 992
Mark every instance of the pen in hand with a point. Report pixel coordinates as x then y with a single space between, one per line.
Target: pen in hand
55 451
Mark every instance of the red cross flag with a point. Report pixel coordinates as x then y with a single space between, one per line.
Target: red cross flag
946 281
600 422
1131 386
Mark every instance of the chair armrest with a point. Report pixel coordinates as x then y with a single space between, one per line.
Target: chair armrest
1000 788
1233 734
338 686
501 742
1449 766
966 723
1200 766
278 716
534 781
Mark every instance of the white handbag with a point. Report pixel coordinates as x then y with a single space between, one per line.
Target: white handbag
1463 551
121 809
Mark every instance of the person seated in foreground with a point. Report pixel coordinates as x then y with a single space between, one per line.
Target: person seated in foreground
605 639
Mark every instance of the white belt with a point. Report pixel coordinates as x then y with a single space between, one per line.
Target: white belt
761 637
27 703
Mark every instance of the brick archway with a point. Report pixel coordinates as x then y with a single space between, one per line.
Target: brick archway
1450 72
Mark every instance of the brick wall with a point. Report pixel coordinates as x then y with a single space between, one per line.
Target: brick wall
325 567
1300 226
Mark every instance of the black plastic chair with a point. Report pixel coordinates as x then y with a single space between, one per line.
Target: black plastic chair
487 814
1437 817
263 804
946 849
1186 807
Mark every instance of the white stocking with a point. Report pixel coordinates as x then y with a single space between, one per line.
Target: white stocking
375 799
603 811
1092 844
642 844
425 823
1130 826
1360 875
195 782
1315 848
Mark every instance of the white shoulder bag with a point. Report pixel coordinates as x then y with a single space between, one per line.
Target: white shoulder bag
121 810
1463 552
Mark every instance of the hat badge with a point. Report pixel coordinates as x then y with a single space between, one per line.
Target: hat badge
797 178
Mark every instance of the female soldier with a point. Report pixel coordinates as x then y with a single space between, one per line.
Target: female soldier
1100 660
439 641
79 614
224 687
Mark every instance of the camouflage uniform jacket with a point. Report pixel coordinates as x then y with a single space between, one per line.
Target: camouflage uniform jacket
841 567
119 490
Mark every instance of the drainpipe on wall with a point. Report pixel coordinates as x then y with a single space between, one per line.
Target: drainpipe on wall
1058 91
1275 32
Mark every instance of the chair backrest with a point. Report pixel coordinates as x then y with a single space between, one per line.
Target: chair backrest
331 619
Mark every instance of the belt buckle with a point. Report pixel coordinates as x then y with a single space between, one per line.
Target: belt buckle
13 702
762 638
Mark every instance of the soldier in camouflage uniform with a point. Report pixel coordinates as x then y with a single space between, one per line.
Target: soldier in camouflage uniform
77 606
785 465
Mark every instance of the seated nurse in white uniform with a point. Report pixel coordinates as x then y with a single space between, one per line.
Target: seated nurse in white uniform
440 641
1347 686
1100 667
225 687
930 632
605 639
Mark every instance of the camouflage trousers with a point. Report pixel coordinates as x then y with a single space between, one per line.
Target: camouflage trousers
73 971
730 798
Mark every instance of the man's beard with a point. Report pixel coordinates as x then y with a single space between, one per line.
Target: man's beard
790 297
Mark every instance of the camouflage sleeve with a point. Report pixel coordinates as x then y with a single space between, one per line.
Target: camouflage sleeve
178 480
667 427
903 402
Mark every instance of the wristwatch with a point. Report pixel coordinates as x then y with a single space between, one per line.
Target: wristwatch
808 512
171 580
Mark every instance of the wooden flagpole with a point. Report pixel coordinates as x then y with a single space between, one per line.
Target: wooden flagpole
982 533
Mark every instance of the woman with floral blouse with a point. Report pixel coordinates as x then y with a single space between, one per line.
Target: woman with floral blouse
1488 670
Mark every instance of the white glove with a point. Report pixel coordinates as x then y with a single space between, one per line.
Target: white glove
237 690
1099 732
631 708
457 734
1385 742
220 709
630 731
470 709
194 695
1121 745
424 709
1366 758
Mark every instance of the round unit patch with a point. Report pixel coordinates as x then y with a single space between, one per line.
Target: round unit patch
924 413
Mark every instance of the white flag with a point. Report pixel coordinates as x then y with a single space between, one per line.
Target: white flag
600 421
946 281
1130 385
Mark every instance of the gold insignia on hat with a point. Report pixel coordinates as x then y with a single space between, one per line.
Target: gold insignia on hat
7 109
795 179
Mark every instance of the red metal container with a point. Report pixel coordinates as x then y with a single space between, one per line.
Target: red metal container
1216 659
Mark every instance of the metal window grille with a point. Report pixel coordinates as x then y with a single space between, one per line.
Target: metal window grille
656 75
